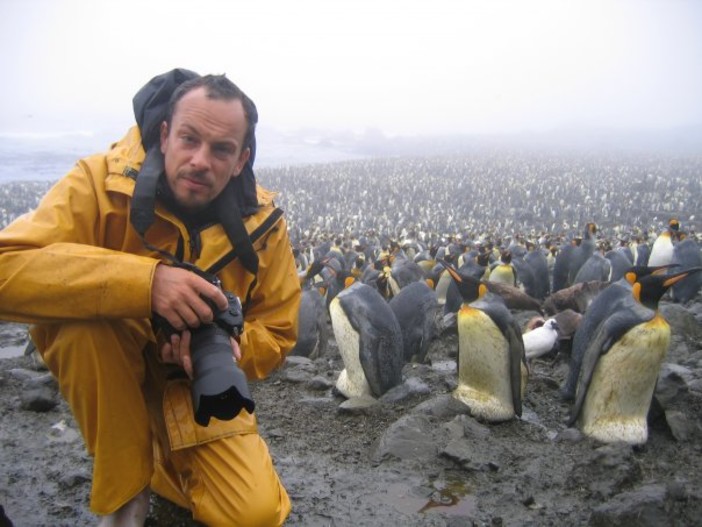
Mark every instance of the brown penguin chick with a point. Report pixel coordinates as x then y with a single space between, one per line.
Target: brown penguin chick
514 297
576 297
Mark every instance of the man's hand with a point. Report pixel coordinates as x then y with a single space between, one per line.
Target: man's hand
177 295
177 351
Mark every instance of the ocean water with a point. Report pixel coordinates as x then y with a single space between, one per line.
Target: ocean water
48 156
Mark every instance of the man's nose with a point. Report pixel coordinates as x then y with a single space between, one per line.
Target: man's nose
200 159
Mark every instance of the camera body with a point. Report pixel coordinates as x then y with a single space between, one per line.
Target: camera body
219 388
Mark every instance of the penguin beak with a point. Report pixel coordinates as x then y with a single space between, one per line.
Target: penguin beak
660 269
451 270
675 278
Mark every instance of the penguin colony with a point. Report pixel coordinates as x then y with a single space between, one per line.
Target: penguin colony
544 233
619 338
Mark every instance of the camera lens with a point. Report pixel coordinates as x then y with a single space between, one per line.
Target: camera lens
219 387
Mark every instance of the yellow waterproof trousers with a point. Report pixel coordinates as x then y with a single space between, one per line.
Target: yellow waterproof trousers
139 427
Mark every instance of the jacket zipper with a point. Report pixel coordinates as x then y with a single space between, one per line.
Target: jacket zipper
195 244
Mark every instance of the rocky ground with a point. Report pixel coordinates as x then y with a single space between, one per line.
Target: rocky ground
415 457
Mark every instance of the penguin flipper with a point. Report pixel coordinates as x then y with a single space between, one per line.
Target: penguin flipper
516 357
381 359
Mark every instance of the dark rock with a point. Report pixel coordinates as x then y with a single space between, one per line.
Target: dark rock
357 404
607 470
320 383
46 379
316 401
672 382
682 322
39 399
412 386
642 507
441 406
463 453
295 361
407 438
682 428
572 435
677 490
297 376
22 374
74 479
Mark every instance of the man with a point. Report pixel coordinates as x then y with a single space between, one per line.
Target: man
89 281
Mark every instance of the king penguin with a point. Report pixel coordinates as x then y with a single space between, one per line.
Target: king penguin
687 255
504 272
621 365
312 333
607 302
369 340
492 371
662 250
416 310
582 252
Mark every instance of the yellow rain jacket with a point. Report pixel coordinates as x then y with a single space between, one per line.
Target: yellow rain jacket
77 258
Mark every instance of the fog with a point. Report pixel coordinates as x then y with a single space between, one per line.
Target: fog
403 68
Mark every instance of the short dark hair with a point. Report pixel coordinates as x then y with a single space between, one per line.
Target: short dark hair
217 87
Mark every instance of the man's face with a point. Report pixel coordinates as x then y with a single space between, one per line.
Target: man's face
203 147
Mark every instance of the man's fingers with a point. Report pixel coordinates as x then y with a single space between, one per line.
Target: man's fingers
216 296
236 350
177 351
186 359
182 297
190 315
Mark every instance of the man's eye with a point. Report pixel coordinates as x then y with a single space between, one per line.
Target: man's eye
223 151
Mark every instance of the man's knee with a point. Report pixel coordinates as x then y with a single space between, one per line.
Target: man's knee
238 484
91 343
264 507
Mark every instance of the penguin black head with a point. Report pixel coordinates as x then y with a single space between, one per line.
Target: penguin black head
470 288
315 268
674 224
639 271
506 256
649 289
483 259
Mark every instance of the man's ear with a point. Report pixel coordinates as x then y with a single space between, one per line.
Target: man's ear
164 136
243 158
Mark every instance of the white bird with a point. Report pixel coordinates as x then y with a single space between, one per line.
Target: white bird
540 341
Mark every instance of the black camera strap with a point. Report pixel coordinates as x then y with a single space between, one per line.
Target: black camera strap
229 215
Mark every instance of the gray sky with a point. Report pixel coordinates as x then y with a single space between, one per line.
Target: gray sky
404 66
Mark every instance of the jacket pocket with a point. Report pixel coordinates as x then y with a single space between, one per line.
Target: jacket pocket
184 432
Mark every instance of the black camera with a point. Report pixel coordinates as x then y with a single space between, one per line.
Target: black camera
219 387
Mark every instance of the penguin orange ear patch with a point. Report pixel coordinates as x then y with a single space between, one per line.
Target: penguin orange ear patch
636 291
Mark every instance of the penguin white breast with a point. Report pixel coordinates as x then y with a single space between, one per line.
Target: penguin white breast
442 287
619 395
503 274
662 251
483 366
352 381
